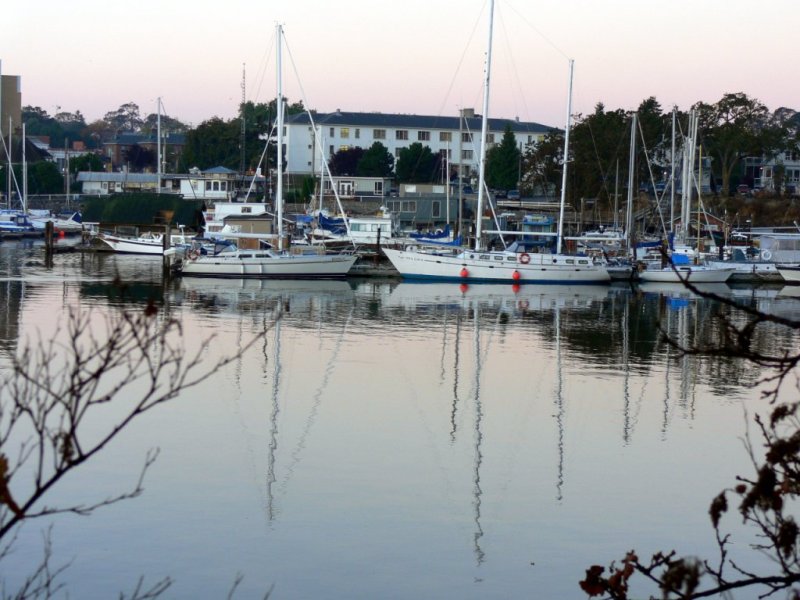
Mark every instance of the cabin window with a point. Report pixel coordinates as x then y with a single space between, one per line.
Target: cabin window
344 132
423 136
583 262
570 261
401 134
511 258
484 257
498 258
247 210
445 136
379 134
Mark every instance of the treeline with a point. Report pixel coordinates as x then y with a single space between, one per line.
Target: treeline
735 127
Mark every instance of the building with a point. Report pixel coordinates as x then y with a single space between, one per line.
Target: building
172 148
783 170
457 137
10 103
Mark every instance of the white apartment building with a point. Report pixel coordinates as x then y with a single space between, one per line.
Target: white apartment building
458 137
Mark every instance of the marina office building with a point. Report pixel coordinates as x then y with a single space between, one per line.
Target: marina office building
457 136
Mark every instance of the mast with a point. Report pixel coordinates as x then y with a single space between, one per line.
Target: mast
279 161
242 132
566 161
631 165
158 146
484 128
24 173
672 177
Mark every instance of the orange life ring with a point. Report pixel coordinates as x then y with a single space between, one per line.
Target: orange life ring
524 258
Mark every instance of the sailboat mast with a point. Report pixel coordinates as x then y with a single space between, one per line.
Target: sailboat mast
672 177
566 161
279 161
631 166
158 146
484 131
24 173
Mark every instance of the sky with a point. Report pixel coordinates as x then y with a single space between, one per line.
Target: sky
421 57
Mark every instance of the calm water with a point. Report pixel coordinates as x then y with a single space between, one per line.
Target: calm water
397 440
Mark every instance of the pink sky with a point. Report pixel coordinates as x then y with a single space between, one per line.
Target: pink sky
415 56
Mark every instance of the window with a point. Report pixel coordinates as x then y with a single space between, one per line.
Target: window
379 134
445 136
344 148
379 188
358 134
436 209
208 186
401 134
333 132
397 151
490 138
466 155
330 150
530 139
466 137
423 136
409 206
344 132
246 210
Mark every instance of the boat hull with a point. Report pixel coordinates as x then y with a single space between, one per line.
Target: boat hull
791 275
477 267
277 266
682 274
133 245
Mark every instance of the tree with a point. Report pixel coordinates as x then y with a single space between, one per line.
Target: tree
85 162
140 158
55 418
44 178
377 161
213 143
735 127
345 162
766 499
416 164
125 118
503 163
542 164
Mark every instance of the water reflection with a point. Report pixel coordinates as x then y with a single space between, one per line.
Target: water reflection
457 432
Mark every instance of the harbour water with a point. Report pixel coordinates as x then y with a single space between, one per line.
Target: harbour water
398 440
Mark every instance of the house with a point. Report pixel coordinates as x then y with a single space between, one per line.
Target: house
172 148
98 183
458 136
782 171
363 188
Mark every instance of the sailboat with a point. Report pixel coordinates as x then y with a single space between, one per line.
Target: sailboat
680 269
268 263
514 264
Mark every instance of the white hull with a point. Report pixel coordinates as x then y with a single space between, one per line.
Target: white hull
141 245
683 273
749 270
791 275
263 264
510 267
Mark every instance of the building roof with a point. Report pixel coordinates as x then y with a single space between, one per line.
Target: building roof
128 138
220 171
365 119
117 177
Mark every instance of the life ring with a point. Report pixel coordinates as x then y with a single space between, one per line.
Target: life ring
524 258
766 254
193 254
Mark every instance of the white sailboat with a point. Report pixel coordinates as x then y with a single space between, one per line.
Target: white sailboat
512 265
279 263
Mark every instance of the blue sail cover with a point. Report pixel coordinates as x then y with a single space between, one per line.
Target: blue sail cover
334 225
441 235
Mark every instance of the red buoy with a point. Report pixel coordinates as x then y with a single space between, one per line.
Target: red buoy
464 273
463 287
515 275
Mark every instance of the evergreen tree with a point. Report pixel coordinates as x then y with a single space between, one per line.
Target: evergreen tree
376 162
502 163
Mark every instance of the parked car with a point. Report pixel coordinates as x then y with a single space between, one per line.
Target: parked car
513 195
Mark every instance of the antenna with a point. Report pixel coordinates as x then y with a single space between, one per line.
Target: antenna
241 112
